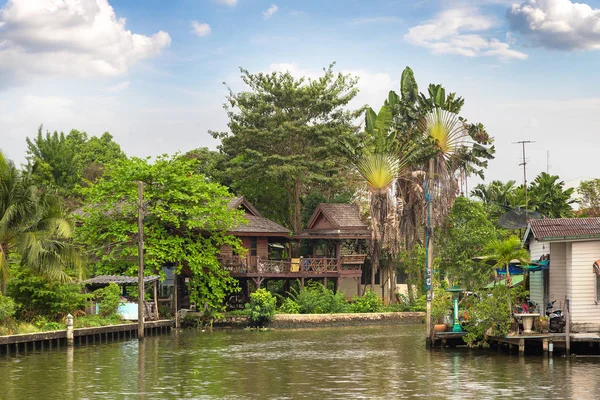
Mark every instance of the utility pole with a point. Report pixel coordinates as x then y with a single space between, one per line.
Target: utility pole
429 243
140 260
524 164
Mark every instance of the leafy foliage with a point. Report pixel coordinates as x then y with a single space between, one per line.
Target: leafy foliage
186 223
366 303
7 309
64 161
289 306
284 132
489 313
441 305
262 307
109 298
314 298
466 234
590 198
34 229
35 296
549 198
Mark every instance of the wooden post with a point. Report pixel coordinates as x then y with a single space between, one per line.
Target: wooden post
545 347
567 327
156 300
140 260
429 274
521 347
175 294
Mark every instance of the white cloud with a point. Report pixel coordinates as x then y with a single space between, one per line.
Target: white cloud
297 13
201 29
557 24
230 3
459 31
269 12
69 38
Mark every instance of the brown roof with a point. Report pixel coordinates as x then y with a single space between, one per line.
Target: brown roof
341 216
241 201
563 228
262 226
257 224
342 222
118 279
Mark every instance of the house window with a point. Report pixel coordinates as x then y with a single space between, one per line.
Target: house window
597 279
253 246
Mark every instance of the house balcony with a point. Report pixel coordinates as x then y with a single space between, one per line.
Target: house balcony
296 268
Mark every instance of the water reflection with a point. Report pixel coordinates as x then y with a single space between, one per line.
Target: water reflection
376 362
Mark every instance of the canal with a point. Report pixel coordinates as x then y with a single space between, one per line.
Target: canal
330 363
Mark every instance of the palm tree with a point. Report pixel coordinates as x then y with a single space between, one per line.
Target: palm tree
33 227
379 163
506 252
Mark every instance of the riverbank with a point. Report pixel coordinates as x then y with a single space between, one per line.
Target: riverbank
295 321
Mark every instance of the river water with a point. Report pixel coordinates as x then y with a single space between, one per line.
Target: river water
381 362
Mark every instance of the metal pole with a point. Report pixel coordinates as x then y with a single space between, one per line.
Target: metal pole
567 327
140 260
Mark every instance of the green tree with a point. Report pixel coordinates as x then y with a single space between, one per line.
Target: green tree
285 133
186 223
590 198
466 234
62 161
34 231
549 198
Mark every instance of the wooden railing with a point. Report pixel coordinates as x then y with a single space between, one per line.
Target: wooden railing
237 264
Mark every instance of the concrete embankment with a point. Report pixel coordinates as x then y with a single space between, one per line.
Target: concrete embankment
295 321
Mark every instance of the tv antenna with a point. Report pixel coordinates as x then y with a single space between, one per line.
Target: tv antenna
524 164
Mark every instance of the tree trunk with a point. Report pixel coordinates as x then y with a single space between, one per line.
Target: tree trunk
297 208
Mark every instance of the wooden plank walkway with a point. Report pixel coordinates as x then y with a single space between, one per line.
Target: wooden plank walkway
50 339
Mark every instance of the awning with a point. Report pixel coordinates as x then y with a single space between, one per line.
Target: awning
516 279
119 280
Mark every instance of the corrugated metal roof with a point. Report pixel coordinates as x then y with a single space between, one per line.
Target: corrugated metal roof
553 228
118 279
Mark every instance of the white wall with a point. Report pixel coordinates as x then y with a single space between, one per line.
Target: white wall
536 279
582 285
558 273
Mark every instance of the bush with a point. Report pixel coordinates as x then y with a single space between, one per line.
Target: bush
316 299
7 309
489 314
366 303
34 296
261 308
109 298
289 306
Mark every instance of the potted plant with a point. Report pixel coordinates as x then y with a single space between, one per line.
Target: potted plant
541 324
441 307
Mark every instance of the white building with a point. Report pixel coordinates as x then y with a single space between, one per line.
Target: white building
573 245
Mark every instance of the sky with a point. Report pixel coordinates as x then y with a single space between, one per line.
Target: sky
152 72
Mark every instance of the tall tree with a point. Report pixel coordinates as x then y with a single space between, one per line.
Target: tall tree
186 222
64 161
465 234
34 229
590 198
549 198
284 132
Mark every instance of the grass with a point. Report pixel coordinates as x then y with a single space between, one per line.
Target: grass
41 324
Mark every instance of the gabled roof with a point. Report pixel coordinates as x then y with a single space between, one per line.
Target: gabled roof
241 202
257 224
340 216
556 229
335 221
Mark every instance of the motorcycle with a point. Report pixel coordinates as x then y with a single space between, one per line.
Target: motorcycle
556 318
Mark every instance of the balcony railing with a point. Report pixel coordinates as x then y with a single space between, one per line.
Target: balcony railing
253 264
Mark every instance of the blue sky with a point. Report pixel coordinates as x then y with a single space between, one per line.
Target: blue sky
527 69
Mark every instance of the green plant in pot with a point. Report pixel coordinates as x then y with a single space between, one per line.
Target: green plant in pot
441 307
